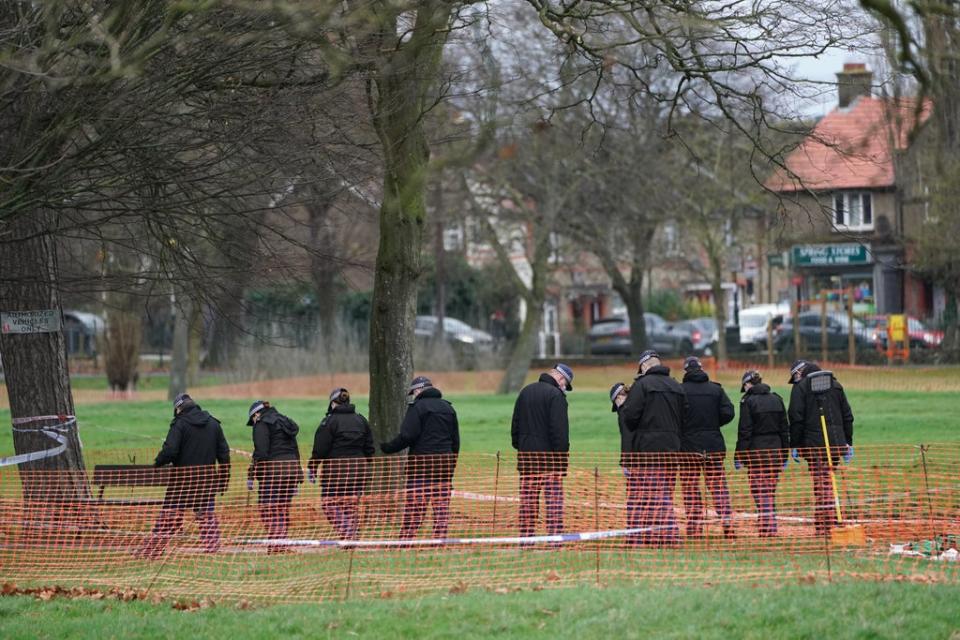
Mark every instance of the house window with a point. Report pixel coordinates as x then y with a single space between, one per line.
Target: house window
671 239
853 210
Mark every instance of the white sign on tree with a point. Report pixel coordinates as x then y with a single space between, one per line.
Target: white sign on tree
44 321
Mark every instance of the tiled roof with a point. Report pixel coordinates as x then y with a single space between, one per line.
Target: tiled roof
850 148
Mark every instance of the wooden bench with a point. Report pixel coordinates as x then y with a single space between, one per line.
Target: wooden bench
130 475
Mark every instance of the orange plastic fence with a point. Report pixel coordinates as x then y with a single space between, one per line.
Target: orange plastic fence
391 526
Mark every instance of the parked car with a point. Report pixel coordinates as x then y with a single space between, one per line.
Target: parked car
703 335
457 333
753 322
838 330
611 336
921 337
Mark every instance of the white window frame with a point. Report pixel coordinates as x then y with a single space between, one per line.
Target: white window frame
842 207
670 233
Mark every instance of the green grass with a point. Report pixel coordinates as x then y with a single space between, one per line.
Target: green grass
885 417
844 610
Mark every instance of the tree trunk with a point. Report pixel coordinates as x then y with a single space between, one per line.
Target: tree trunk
405 81
121 346
226 325
35 366
951 329
194 345
181 346
520 359
228 311
440 284
323 270
719 315
394 303
633 299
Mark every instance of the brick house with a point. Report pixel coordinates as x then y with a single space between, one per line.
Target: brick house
844 222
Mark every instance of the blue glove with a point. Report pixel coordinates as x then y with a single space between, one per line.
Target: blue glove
737 465
795 455
848 456
249 484
312 476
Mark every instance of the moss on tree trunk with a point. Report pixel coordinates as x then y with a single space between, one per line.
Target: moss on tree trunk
405 83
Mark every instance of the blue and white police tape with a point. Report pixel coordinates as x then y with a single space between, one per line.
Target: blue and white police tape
55 432
434 542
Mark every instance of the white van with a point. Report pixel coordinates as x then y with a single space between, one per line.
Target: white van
753 321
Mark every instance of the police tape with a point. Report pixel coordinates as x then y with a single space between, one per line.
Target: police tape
55 432
585 536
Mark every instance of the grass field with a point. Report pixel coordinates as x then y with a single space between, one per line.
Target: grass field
844 610
881 417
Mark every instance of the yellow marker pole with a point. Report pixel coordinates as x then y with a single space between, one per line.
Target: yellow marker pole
833 477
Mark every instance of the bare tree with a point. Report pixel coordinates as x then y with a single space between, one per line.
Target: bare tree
925 38
717 198
135 126
521 198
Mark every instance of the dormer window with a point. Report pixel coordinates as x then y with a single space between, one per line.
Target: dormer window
853 211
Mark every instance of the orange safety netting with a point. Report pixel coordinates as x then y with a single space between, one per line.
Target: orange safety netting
393 525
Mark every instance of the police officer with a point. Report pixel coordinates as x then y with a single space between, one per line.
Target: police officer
653 418
704 448
431 431
763 438
194 443
343 444
540 432
618 395
806 435
276 466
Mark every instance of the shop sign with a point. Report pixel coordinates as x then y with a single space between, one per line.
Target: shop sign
779 259
824 255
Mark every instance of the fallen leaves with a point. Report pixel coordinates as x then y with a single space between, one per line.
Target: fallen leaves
118 594
193 605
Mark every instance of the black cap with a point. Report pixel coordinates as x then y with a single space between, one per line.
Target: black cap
420 382
797 367
647 355
614 392
181 399
692 363
567 374
256 407
336 393
752 376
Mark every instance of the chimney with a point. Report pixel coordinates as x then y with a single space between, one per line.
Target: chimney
854 81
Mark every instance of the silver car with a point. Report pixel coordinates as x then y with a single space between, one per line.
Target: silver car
457 333
611 336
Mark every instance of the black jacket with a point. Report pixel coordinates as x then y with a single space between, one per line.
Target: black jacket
709 408
654 413
195 438
275 437
343 434
804 414
763 421
540 424
429 427
344 443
